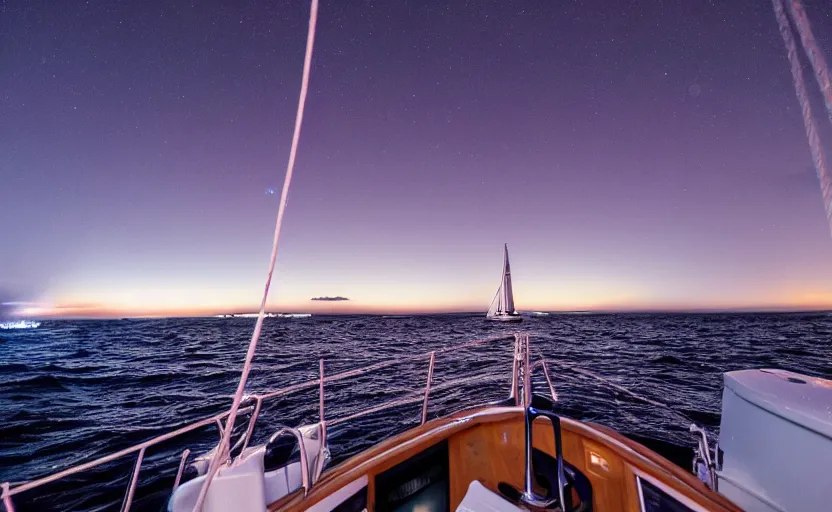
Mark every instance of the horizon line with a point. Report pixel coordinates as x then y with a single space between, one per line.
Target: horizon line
600 311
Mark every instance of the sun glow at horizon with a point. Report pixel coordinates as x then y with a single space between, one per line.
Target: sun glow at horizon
620 302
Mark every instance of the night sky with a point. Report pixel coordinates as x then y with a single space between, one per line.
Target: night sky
633 154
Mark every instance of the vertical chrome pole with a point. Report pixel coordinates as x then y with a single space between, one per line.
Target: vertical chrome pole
527 374
181 468
321 392
528 490
514 393
7 500
427 388
250 430
128 500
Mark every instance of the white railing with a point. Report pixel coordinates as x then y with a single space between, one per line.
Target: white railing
255 401
521 377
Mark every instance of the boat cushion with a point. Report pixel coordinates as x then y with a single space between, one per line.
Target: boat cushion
480 499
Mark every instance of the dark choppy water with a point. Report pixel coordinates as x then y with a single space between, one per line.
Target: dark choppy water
74 391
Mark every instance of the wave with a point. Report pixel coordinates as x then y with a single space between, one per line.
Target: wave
792 351
13 368
55 368
668 360
115 379
19 324
37 383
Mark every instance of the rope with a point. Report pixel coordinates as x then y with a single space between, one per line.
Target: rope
222 453
818 156
810 46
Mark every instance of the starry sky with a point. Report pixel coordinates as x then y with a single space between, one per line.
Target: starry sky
639 154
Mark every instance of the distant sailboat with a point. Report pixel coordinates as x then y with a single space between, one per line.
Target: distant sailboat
502 307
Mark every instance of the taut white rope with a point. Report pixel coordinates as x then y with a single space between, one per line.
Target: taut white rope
222 453
818 156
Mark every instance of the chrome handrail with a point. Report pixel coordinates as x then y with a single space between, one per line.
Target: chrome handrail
522 369
134 479
562 498
527 370
704 451
321 392
304 458
25 486
258 403
513 393
181 468
10 489
320 461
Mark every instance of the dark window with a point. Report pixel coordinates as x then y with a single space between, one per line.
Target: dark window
656 500
419 482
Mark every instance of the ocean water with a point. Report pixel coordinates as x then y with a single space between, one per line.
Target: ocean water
72 391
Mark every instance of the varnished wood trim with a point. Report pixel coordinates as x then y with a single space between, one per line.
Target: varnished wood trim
392 451
628 457
649 462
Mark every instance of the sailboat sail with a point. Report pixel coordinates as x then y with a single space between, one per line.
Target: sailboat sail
502 307
508 301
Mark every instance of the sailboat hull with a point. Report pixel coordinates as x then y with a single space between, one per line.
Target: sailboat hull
505 318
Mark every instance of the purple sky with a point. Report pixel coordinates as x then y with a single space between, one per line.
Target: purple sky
632 154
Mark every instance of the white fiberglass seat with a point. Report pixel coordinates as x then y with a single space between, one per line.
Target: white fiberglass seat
240 487
480 499
246 486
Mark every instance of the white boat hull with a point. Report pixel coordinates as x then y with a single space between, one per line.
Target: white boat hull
505 318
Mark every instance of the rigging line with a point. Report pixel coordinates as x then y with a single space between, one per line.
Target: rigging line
383 364
818 156
812 49
222 453
495 299
618 387
416 396
546 374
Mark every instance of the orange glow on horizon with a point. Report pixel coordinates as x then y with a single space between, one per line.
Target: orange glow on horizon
391 296
808 301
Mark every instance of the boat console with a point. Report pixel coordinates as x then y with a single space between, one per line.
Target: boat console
775 440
